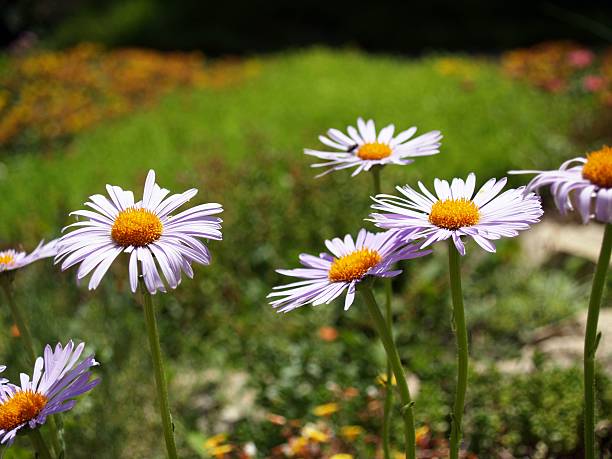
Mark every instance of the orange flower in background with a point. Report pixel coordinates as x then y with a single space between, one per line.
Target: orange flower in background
52 95
548 65
328 333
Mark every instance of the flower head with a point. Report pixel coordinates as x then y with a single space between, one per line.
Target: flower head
583 184
328 276
456 211
56 380
13 259
146 230
362 148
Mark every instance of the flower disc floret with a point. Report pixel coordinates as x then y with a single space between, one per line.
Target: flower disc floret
21 408
136 227
453 214
374 151
7 258
353 266
598 167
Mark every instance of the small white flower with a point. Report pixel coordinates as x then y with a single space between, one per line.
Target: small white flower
362 148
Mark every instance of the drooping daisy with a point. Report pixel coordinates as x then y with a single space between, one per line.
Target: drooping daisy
328 276
362 148
584 184
56 381
146 230
455 212
13 259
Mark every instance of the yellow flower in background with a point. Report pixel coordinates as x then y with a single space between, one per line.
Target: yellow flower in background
216 447
382 379
297 445
351 432
342 456
421 433
325 410
222 450
457 67
215 441
312 433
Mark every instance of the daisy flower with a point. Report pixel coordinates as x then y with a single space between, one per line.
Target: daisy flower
146 230
455 211
56 380
584 184
13 259
329 275
362 148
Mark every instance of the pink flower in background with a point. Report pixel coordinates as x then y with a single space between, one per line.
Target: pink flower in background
592 83
554 85
580 58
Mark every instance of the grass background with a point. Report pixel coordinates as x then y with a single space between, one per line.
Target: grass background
242 146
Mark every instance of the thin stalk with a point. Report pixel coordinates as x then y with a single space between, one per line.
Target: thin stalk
6 279
24 330
462 348
160 377
388 406
396 365
42 452
591 339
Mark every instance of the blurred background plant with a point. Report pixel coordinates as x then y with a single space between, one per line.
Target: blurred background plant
245 381
48 96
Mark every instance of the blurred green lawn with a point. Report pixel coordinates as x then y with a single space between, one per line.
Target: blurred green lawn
242 146
488 127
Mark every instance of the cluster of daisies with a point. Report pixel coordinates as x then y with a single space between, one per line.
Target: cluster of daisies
417 217
160 243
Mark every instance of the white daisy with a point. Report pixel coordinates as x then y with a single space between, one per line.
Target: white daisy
13 259
362 148
455 212
329 276
146 230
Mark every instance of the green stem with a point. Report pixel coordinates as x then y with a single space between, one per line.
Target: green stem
39 444
462 348
28 342
389 389
388 406
160 378
591 340
6 279
376 177
396 365
24 330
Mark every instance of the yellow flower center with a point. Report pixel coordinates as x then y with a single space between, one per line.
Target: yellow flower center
374 150
353 266
136 227
21 407
453 214
598 168
6 258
